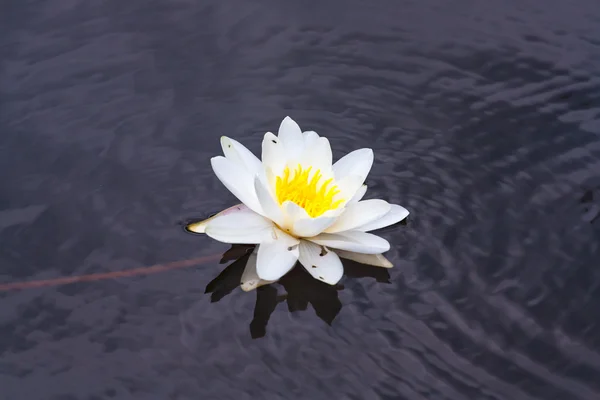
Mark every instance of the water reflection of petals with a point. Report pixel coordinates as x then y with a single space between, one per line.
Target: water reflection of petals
301 290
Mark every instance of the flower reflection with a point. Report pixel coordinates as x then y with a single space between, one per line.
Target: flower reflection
301 289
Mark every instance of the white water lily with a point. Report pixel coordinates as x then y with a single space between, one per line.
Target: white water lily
299 206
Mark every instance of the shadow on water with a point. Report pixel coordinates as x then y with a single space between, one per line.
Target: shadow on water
301 289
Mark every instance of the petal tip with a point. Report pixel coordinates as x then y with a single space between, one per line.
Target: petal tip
216 159
269 136
253 284
197 227
249 285
288 124
386 247
385 263
334 281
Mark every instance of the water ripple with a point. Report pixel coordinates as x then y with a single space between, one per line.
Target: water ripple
485 121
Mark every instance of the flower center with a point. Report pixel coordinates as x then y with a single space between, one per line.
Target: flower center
307 191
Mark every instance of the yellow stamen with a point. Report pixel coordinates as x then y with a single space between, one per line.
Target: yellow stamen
315 198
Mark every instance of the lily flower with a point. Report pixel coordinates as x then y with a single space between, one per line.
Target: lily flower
297 205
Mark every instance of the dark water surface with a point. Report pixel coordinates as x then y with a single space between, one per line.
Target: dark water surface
485 121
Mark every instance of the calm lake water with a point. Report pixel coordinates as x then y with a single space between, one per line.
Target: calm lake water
485 122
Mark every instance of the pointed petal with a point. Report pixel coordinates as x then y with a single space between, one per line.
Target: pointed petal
318 155
349 186
327 267
237 180
239 154
308 227
273 153
360 193
276 256
200 226
309 138
359 242
292 212
297 222
376 260
291 137
250 279
358 163
242 227
269 205
394 215
358 214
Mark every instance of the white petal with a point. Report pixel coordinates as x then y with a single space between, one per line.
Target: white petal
243 227
376 260
349 186
326 267
297 222
237 180
250 279
358 214
318 156
358 163
310 137
200 226
359 242
273 154
291 137
269 205
292 212
276 256
396 214
309 227
360 193
239 154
